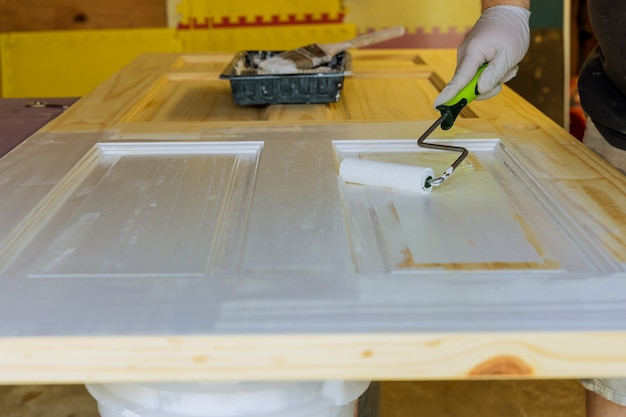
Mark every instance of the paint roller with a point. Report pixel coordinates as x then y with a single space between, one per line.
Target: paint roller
408 177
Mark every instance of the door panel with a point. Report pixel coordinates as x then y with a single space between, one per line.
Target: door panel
142 209
491 214
187 89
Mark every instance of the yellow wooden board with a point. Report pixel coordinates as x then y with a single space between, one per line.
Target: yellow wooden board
427 16
72 63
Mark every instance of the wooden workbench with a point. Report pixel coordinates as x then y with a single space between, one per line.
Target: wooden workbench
155 231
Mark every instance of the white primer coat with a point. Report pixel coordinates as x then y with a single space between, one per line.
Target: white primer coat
385 174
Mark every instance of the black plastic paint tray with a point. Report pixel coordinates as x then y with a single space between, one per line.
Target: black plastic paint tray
252 86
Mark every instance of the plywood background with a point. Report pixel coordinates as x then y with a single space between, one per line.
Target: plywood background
23 15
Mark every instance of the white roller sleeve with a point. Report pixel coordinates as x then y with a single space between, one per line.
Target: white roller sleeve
386 174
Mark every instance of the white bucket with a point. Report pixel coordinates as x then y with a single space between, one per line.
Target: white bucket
229 399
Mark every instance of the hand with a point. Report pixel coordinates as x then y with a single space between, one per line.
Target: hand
501 37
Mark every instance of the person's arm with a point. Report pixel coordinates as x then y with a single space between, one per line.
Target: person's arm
520 3
500 37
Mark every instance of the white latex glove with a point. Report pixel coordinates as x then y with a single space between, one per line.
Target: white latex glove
501 37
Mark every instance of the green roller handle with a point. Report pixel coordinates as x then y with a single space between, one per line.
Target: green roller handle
453 107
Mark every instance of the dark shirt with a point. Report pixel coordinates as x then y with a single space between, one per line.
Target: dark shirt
602 81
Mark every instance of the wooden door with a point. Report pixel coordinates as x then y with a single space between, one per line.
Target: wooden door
156 231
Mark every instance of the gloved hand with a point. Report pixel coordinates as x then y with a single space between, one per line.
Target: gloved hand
501 36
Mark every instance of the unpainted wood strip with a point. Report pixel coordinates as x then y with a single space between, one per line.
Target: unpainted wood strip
322 356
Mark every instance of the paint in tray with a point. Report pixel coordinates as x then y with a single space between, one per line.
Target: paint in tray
252 86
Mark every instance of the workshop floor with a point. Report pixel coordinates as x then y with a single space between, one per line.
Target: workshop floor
559 398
